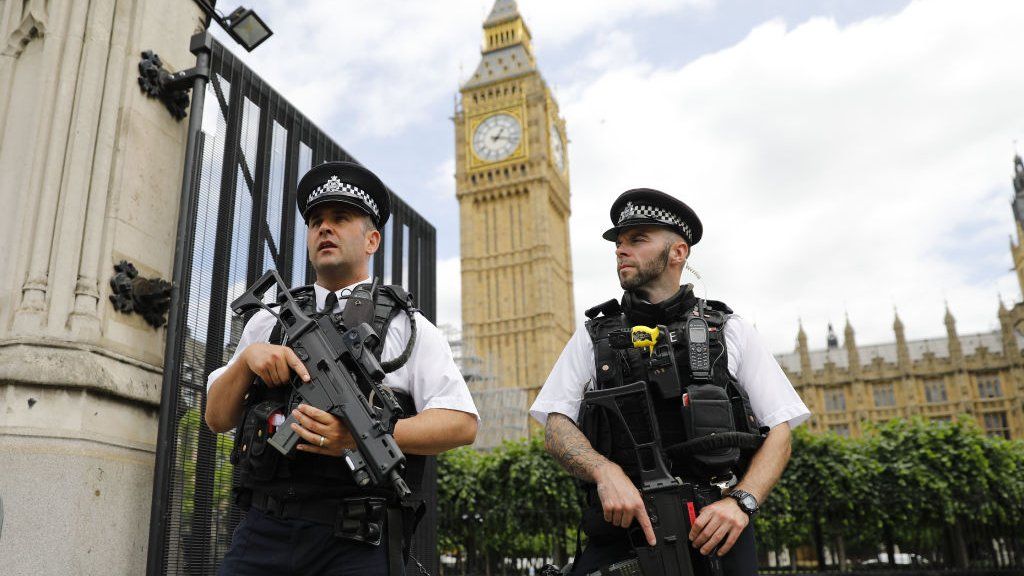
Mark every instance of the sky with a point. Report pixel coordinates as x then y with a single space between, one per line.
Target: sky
848 158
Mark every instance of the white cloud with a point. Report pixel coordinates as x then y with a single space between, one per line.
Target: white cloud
559 23
442 183
449 292
835 169
377 67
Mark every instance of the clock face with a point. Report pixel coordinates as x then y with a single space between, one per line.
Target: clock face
557 149
497 137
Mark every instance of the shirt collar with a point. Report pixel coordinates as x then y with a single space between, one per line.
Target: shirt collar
321 294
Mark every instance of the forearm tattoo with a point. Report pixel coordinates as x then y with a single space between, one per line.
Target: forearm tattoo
571 448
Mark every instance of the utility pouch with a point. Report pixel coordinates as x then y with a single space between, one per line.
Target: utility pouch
251 452
744 415
707 411
361 519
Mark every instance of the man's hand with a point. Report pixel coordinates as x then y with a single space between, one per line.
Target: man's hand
225 397
315 424
718 525
273 364
621 501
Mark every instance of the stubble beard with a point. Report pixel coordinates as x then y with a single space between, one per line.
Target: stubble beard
646 271
332 265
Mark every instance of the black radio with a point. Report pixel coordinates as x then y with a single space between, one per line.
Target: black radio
697 336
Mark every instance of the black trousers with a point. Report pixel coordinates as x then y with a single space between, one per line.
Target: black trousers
266 545
740 561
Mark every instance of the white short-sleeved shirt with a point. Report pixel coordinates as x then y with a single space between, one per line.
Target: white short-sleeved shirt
430 376
772 397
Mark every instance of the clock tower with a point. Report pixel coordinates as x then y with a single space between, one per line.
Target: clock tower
512 183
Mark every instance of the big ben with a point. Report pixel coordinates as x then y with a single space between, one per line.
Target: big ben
512 183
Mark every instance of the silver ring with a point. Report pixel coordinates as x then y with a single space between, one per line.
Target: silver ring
321 441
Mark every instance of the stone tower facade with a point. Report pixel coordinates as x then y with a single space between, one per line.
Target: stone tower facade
512 183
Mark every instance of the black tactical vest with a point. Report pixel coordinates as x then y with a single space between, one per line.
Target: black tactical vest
260 467
618 367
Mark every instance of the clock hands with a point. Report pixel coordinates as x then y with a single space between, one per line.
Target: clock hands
496 137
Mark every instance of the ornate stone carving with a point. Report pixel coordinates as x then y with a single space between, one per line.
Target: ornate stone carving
32 25
154 80
150 297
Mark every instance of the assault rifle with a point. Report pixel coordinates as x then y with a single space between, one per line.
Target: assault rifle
669 502
343 373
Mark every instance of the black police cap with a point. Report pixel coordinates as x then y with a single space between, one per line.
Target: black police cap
348 183
649 207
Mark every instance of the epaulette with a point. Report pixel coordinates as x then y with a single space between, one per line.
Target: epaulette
399 295
719 306
717 312
609 308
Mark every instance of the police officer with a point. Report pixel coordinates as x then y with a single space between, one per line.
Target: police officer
653 233
306 516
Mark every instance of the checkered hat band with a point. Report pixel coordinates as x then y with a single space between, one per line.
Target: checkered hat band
336 186
642 211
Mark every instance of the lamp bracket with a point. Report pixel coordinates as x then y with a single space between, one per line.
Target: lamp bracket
172 88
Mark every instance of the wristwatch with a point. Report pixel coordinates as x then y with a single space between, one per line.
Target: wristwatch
746 501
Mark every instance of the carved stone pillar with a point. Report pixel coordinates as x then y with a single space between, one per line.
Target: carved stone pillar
91 175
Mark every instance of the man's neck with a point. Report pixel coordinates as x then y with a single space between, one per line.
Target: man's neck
660 289
335 283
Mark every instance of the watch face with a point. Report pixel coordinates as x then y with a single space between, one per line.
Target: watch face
748 502
497 137
557 150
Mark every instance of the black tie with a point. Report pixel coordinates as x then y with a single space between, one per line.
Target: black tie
330 303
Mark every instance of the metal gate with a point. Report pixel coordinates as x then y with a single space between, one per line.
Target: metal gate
253 148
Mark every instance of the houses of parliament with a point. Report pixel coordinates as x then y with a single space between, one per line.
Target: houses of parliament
512 184
976 375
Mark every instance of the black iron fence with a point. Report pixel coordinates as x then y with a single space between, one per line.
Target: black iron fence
253 148
962 548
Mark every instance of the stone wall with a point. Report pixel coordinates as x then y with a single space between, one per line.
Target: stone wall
91 175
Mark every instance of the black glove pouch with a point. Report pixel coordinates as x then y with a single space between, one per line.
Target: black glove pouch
252 451
707 411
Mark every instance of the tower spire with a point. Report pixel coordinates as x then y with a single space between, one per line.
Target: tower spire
507 50
801 347
850 343
955 350
902 351
1018 174
502 11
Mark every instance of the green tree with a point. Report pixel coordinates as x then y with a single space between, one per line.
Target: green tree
512 502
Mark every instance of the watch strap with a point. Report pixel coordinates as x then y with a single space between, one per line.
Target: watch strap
739 496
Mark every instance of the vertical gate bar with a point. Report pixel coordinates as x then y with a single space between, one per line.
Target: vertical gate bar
429 288
199 541
258 229
415 263
396 245
167 427
309 137
319 155
288 209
